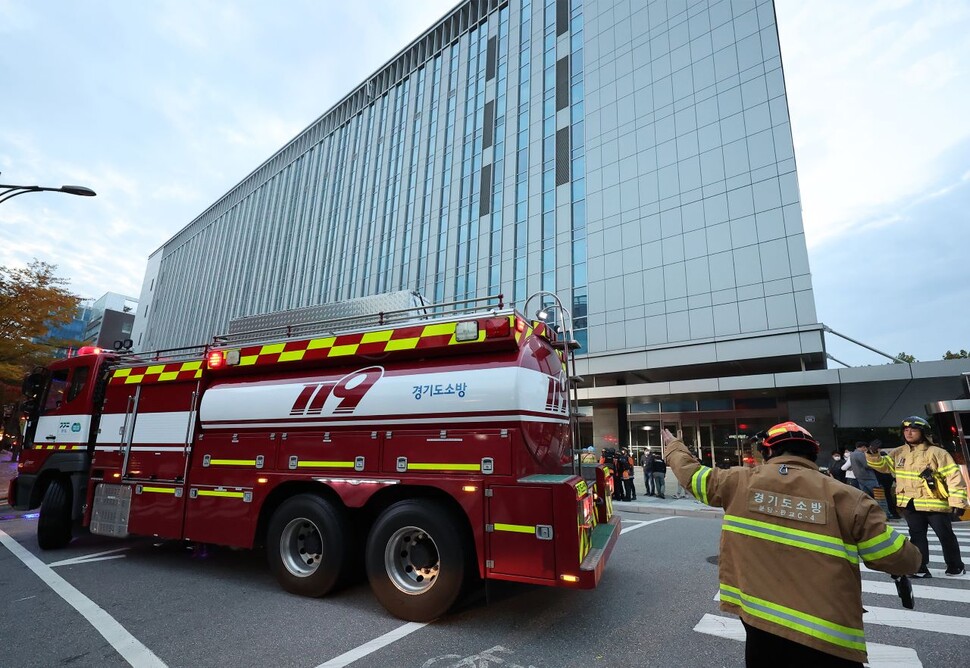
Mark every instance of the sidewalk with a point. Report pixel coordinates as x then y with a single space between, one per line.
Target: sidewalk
668 506
8 471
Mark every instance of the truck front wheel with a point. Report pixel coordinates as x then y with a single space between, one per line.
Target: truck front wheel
418 559
54 524
308 545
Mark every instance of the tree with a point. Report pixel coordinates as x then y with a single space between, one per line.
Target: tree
905 357
963 354
32 301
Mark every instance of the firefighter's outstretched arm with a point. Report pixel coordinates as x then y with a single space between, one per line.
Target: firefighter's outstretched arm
880 546
881 463
702 481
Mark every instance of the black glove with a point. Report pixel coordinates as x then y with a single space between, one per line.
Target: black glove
957 514
905 591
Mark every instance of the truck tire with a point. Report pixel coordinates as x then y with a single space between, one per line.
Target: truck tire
418 559
54 524
308 545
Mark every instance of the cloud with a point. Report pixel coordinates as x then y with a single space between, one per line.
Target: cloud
878 92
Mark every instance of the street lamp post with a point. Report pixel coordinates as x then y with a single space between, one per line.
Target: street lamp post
8 191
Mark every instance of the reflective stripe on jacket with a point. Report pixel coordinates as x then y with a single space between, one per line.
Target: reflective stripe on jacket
791 543
907 462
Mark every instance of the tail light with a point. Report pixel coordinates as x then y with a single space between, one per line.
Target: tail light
216 360
498 328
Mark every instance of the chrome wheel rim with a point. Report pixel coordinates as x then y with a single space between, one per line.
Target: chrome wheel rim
301 547
411 560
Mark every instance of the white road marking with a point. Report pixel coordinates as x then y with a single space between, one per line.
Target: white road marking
917 621
880 656
124 643
98 556
933 563
919 591
380 642
637 524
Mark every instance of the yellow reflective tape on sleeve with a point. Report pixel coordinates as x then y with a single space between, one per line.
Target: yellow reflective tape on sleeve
292 355
159 490
339 351
438 330
232 462
326 465
377 337
168 375
443 467
515 528
272 348
401 344
317 344
222 493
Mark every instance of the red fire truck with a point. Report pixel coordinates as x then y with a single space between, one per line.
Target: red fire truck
435 450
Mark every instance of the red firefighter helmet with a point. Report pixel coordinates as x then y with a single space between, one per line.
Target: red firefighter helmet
787 431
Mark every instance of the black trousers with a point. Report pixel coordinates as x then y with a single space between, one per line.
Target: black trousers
942 524
629 490
766 650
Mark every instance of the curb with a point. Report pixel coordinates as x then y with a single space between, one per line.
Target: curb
641 509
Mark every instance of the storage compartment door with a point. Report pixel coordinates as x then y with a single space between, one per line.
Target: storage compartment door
520 532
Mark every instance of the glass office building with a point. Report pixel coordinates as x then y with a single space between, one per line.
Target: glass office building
634 157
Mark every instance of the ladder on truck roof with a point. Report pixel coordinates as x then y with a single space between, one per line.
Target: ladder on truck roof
316 320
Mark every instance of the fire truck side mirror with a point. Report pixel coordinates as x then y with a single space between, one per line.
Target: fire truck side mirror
33 384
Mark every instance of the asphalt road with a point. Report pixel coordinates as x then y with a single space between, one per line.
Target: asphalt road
165 604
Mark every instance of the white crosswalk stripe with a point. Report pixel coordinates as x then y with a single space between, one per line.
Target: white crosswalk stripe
888 612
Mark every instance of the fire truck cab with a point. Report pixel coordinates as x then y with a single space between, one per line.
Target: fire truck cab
432 446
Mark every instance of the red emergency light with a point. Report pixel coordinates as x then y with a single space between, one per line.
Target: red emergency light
89 350
216 360
497 327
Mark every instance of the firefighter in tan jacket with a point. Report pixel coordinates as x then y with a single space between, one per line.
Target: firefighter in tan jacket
930 491
791 543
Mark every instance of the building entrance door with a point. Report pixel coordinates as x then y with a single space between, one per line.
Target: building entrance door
717 442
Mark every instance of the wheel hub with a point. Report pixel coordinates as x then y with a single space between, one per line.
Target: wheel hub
411 560
301 547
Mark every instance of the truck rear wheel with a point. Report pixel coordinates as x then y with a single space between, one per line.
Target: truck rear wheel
308 545
54 524
418 559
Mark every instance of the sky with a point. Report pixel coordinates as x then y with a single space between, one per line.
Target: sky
162 107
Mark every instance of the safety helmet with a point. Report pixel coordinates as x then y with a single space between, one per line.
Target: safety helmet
785 432
916 422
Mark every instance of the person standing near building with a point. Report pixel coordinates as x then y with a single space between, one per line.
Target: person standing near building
865 477
791 542
885 481
835 468
648 460
659 475
847 469
627 472
930 491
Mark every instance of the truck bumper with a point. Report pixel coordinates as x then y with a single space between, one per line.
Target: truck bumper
604 540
